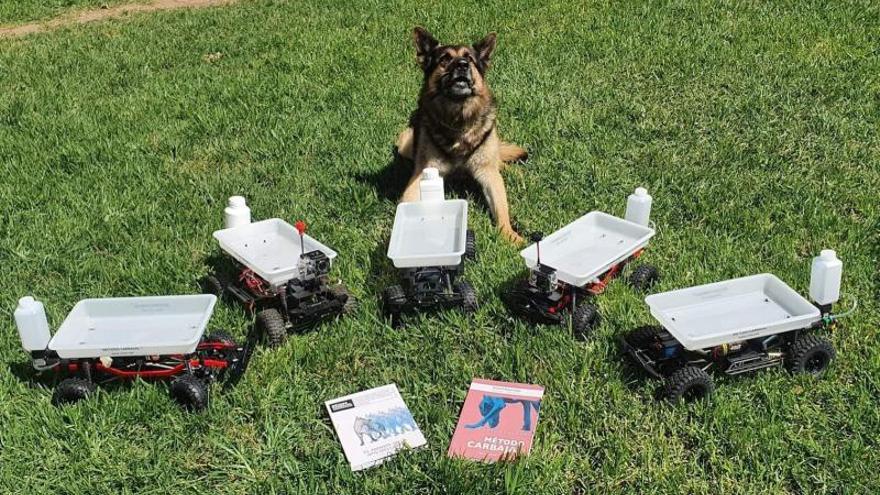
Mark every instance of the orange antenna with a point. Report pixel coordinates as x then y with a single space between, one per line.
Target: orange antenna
301 228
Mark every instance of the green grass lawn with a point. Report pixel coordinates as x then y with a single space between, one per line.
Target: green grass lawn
755 127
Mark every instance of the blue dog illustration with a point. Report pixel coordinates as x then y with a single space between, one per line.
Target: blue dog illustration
491 406
385 424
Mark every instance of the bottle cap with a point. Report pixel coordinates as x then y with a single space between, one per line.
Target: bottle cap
641 191
828 254
237 201
26 301
430 173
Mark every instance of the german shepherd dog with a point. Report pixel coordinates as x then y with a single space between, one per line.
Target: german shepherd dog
454 128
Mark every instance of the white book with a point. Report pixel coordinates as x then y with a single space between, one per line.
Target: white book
373 425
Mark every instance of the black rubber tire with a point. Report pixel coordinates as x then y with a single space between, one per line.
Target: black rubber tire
190 393
393 297
212 285
271 325
469 302
810 354
584 320
393 301
643 277
351 303
72 390
470 245
688 384
644 336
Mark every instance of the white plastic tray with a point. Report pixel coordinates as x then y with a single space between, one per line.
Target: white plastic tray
428 233
271 248
133 326
731 311
588 247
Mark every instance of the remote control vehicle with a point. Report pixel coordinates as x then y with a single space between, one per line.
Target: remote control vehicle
278 273
429 243
737 326
572 265
103 340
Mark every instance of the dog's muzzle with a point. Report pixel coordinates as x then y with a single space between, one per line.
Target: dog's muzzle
460 84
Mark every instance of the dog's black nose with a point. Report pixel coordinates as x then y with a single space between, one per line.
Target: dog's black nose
461 63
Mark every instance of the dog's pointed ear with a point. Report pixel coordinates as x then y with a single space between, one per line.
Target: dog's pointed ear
425 44
485 47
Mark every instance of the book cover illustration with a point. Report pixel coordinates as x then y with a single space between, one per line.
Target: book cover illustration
373 425
497 421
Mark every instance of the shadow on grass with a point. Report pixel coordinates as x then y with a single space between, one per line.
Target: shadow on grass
221 266
502 292
26 373
384 275
390 181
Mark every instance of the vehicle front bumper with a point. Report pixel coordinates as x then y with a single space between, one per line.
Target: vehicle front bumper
638 355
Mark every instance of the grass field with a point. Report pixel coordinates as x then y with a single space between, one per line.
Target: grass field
755 127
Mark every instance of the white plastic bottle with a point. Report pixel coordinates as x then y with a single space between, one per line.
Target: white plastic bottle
431 185
825 275
236 213
33 326
638 207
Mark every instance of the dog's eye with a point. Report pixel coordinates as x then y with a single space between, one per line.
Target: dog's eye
444 59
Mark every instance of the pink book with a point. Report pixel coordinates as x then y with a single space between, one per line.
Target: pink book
497 421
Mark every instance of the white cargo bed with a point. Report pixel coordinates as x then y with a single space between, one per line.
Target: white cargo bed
586 248
725 312
271 248
429 233
133 326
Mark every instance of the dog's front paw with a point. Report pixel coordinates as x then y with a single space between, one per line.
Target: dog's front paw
512 236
